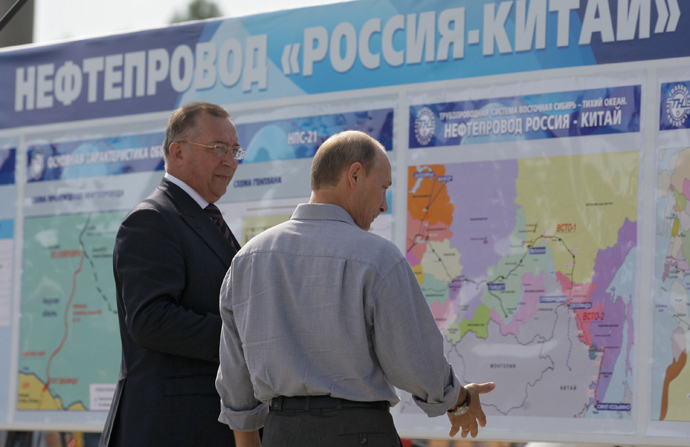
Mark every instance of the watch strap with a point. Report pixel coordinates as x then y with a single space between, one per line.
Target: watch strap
464 406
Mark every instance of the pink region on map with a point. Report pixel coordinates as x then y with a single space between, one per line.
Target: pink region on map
679 262
417 245
578 293
412 259
526 310
588 318
442 312
438 234
419 234
686 188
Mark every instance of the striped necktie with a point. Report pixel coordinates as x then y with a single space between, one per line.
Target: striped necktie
217 218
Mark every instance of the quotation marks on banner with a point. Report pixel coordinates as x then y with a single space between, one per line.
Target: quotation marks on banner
289 59
664 14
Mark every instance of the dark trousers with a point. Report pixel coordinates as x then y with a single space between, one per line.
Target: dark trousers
330 428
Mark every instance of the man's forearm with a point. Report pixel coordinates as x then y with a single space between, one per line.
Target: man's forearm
247 438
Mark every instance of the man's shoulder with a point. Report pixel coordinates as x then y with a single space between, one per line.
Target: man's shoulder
158 203
148 204
379 248
329 238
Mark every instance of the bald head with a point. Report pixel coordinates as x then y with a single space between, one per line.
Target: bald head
338 152
351 170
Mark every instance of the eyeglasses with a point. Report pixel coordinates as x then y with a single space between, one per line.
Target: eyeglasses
221 149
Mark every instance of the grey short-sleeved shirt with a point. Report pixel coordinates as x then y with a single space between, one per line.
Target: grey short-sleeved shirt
317 306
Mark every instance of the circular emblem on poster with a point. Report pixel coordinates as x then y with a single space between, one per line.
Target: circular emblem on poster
678 105
37 165
424 126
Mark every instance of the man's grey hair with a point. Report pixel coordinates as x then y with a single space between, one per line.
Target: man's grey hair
184 119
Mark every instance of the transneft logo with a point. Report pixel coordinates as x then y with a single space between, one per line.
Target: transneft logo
678 105
424 126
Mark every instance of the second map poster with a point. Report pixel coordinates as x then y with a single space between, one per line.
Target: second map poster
522 228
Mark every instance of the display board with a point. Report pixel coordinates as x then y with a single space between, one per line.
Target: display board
531 142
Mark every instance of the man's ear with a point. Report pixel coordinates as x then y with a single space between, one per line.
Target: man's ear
354 174
176 154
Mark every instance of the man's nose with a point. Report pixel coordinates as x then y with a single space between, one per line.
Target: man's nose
229 159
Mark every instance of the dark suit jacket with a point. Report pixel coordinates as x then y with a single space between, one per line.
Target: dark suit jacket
169 261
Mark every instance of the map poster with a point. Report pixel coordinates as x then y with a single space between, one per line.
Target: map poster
530 285
528 264
671 370
69 326
669 413
78 193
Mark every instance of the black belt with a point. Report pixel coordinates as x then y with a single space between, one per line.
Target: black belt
306 403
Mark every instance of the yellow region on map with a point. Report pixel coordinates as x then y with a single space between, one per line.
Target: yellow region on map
33 395
419 273
442 261
586 197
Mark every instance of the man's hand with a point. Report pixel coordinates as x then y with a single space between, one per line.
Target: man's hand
475 417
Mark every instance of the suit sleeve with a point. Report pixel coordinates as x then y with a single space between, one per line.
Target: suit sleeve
150 269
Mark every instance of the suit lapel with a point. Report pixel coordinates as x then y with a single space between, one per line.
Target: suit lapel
198 220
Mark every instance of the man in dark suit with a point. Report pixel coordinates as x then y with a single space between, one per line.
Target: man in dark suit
169 262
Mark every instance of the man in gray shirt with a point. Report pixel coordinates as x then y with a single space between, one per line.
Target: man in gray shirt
322 319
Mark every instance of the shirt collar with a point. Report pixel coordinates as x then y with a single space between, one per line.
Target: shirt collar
322 211
188 189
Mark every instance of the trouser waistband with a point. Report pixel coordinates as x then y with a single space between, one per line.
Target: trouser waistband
306 403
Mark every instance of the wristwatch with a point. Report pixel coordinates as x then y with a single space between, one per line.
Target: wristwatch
463 407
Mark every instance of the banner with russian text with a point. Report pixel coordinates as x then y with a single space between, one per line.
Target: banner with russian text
355 45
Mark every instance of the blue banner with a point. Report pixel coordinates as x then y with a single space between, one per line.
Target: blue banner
530 117
295 138
674 106
8 161
354 45
95 158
